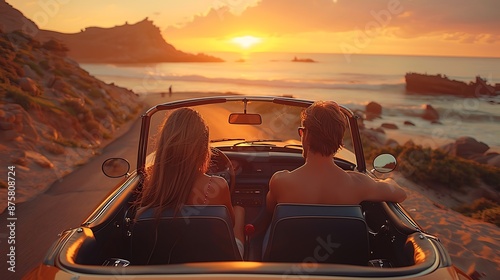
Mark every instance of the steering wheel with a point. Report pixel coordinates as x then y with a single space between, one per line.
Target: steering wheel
220 165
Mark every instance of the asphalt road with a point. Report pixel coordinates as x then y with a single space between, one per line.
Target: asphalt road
64 205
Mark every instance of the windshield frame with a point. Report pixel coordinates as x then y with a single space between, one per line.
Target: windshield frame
146 121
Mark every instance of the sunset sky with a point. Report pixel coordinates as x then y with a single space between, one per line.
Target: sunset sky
415 27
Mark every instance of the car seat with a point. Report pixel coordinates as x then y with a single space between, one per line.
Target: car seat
319 234
198 233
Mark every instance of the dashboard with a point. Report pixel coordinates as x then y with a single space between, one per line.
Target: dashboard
253 168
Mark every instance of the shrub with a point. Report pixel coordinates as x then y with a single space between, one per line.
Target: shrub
92 126
20 97
36 67
54 148
491 215
55 46
68 143
99 113
482 209
435 166
95 93
45 64
75 106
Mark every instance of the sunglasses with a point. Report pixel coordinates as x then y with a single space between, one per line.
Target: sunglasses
301 130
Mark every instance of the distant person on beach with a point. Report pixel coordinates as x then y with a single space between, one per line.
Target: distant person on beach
170 91
178 176
320 180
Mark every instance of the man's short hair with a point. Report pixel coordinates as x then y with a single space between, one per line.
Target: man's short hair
325 125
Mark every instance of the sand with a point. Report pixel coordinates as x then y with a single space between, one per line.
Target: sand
474 246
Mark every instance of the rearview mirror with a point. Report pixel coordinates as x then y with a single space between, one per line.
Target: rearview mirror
243 118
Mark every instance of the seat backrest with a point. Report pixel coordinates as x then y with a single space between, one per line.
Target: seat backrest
199 233
318 233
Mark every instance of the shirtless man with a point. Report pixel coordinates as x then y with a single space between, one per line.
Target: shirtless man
320 180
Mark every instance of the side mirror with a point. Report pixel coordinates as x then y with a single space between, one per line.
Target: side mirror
384 163
115 167
243 118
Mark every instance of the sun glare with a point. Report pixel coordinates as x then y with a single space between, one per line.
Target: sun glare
246 42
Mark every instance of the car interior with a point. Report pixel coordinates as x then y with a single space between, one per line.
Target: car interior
373 239
370 239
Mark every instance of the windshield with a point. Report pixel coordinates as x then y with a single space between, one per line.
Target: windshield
278 128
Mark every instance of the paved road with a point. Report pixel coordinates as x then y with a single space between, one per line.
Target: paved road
65 205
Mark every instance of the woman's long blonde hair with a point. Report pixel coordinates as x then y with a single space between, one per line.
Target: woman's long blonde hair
182 153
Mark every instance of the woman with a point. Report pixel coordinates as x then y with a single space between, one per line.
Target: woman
178 177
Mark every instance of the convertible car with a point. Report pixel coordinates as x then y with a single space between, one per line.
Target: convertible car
252 137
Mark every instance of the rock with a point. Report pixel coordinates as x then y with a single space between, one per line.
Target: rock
29 86
29 73
430 113
409 123
392 143
389 126
8 135
4 125
17 120
373 110
60 85
494 161
39 159
467 146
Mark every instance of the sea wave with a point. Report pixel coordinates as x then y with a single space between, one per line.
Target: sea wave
277 83
445 114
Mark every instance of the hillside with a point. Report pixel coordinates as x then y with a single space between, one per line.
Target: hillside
129 43
53 114
141 42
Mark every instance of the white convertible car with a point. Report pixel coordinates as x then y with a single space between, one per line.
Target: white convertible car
254 136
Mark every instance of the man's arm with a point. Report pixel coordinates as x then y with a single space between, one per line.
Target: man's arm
378 190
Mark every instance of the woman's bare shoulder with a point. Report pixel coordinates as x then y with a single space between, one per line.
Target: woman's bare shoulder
218 182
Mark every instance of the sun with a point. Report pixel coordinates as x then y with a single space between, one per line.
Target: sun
246 42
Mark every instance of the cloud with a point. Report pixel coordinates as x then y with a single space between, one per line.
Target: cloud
403 18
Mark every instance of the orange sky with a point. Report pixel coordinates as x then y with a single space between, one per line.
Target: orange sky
415 27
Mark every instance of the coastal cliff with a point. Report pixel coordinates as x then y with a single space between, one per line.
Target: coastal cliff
54 115
141 42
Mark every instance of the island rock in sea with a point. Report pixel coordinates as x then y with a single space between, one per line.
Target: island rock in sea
439 84
295 59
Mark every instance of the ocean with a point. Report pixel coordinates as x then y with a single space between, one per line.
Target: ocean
352 81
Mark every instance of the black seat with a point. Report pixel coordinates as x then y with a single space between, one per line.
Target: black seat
197 234
318 233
